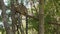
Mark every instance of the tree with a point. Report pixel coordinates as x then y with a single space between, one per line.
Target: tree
13 17
41 17
4 18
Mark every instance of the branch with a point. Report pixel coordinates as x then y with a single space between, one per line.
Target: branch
54 23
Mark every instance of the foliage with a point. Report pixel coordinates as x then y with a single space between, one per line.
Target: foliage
51 9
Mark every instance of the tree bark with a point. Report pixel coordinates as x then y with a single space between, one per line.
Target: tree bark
41 17
13 17
26 24
4 18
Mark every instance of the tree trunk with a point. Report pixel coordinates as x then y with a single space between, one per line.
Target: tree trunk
4 18
41 17
26 25
13 17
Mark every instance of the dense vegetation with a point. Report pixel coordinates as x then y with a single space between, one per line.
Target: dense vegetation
30 16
